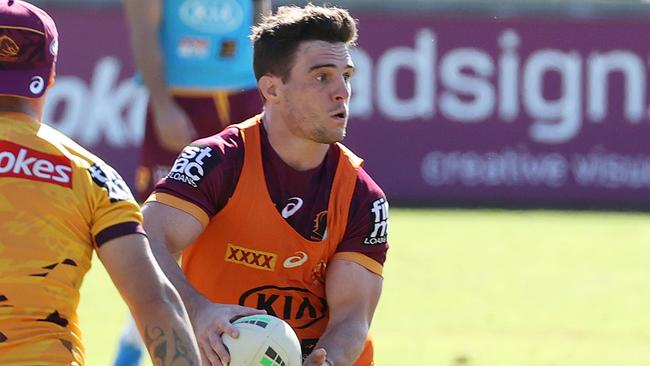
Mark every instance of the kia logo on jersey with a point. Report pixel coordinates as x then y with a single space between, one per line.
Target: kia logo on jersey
212 16
193 164
297 306
18 161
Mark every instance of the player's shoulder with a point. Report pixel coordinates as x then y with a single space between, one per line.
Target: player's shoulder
366 188
82 162
228 141
215 148
90 167
197 160
79 156
367 230
44 154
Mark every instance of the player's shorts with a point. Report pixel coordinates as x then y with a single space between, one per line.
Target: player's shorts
210 113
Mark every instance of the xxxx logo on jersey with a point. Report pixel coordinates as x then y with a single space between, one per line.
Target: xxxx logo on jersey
250 258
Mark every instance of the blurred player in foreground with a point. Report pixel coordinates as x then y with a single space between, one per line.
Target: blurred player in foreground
274 213
58 203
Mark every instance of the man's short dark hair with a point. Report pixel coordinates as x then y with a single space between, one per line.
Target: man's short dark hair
277 37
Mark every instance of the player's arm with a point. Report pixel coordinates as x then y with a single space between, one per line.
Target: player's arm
170 231
172 124
352 296
156 306
144 19
354 280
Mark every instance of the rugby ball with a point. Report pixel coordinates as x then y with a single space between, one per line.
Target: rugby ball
263 340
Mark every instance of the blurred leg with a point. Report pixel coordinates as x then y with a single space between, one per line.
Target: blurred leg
129 352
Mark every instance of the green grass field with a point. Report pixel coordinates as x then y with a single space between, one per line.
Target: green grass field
486 288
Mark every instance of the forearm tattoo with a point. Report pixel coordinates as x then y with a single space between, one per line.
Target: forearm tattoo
165 349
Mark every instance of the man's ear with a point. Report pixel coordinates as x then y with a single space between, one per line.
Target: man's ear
269 86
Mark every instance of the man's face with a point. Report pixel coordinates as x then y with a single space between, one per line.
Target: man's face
316 97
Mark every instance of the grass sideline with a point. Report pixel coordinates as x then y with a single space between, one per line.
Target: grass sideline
488 288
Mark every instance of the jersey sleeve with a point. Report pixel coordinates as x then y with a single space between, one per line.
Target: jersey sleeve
366 237
204 176
115 212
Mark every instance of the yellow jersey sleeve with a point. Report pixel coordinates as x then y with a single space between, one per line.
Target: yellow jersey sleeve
115 211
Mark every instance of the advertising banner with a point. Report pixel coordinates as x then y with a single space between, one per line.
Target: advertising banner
445 110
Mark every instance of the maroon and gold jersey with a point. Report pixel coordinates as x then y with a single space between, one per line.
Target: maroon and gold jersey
270 231
206 173
57 203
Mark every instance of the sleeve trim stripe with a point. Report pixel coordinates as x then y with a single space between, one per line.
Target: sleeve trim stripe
118 230
363 260
181 204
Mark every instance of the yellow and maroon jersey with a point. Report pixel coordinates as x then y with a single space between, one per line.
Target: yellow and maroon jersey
57 202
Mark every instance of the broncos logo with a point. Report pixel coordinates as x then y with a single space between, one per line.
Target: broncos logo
8 48
319 230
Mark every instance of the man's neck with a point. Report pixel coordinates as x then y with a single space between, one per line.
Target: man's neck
299 153
20 105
